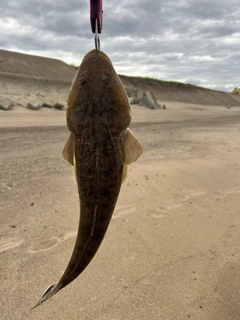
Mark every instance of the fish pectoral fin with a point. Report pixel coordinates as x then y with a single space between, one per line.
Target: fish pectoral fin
68 153
74 170
69 149
125 169
132 149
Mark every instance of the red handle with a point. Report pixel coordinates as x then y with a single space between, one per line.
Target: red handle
96 13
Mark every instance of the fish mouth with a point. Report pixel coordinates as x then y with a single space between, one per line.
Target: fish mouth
97 54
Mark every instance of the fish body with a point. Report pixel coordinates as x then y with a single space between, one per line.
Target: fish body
100 147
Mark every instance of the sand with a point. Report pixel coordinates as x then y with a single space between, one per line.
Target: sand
172 248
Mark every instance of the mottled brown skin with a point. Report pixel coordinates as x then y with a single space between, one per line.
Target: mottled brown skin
97 91
97 116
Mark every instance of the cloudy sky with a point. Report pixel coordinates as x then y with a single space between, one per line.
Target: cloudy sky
191 41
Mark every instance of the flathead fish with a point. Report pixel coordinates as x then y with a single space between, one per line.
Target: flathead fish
100 147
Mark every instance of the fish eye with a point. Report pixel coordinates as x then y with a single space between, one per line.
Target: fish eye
82 81
106 80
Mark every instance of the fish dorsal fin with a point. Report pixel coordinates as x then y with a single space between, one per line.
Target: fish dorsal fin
69 149
132 149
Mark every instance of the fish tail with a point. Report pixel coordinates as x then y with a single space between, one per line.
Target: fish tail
48 293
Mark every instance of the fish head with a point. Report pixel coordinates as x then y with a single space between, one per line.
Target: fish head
98 91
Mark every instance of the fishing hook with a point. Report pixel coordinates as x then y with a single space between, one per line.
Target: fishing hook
96 20
96 38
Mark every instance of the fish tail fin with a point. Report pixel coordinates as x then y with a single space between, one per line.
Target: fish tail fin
48 293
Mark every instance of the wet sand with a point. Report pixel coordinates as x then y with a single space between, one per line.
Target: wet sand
172 248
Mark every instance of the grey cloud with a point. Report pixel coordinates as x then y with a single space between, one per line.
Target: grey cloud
179 40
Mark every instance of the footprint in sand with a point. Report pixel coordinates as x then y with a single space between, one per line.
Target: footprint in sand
191 193
225 193
9 244
177 203
162 211
122 210
54 242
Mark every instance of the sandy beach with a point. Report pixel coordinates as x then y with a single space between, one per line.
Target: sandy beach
172 249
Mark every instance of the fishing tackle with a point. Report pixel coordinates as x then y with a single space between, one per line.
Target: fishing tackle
96 20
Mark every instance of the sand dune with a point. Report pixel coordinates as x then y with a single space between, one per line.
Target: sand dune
172 248
25 64
29 65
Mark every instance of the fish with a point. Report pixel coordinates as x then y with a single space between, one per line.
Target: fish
100 147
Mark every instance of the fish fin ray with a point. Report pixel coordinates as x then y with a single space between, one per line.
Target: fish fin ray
132 149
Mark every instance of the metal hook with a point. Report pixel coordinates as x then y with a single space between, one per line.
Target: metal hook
96 20
97 39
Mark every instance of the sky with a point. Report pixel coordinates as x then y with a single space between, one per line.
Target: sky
190 41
